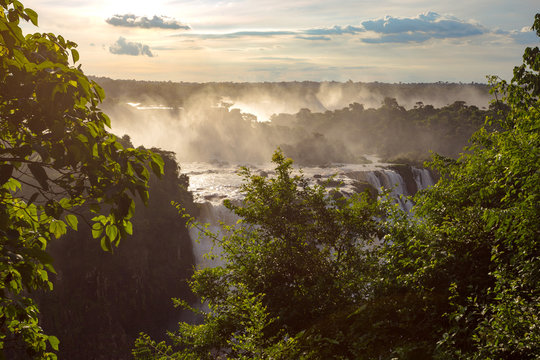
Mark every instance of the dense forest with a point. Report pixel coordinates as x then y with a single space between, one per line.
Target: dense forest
304 275
314 123
318 96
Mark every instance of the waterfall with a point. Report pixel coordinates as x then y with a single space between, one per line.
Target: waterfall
423 178
211 185
214 215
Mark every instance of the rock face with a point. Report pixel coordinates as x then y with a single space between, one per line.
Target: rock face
101 301
364 186
406 172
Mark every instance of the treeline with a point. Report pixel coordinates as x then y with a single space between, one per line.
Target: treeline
318 96
208 132
391 131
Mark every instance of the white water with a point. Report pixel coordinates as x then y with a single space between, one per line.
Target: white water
212 183
423 178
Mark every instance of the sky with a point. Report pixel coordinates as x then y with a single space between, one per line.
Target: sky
294 40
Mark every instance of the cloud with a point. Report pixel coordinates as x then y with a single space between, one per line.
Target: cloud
123 47
325 38
398 38
389 29
238 34
310 34
336 30
523 37
161 22
421 28
163 48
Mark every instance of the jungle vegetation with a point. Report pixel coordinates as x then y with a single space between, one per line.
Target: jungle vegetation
305 275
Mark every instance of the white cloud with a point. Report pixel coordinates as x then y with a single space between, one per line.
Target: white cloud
161 22
336 30
420 28
314 37
525 36
124 47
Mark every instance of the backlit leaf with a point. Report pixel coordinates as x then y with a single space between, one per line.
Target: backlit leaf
72 221
53 340
111 231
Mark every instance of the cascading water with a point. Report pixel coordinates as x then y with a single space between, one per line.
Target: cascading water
423 178
214 215
212 183
394 181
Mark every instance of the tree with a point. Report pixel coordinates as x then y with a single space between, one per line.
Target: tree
472 258
100 301
55 156
298 256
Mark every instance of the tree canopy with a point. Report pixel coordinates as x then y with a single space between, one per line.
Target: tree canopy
297 258
55 156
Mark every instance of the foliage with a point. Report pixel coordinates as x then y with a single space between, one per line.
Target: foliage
297 256
100 301
474 255
55 155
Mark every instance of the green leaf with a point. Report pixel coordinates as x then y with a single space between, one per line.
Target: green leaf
16 31
65 203
57 227
53 340
99 91
97 229
75 55
72 221
32 15
83 138
12 184
111 231
156 168
106 118
158 161
101 218
128 227
43 275
106 244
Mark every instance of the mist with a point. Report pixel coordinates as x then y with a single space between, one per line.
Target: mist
315 123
